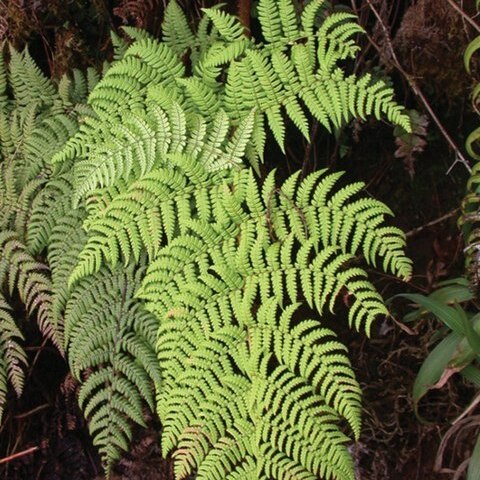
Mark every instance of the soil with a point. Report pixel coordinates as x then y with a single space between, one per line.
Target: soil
394 443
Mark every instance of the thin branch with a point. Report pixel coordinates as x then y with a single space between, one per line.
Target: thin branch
33 411
18 455
441 219
467 18
459 158
469 409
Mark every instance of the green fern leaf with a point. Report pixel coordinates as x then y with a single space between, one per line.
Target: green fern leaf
13 359
103 341
227 25
177 34
270 20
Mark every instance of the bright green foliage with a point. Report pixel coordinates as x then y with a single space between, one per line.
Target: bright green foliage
248 385
221 245
293 240
145 213
171 264
257 393
295 72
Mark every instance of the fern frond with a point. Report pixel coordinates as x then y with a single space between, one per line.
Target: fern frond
269 247
334 42
50 205
160 66
66 240
228 26
270 20
291 409
46 140
109 338
134 146
3 84
21 272
152 211
12 356
222 54
288 19
309 15
176 32
201 95
119 45
28 83
273 77
75 90
310 213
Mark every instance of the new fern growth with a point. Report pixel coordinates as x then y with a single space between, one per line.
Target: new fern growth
169 266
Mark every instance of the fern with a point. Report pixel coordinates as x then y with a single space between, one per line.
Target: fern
12 356
109 336
20 271
230 259
298 65
177 33
36 119
271 249
244 404
158 261
295 73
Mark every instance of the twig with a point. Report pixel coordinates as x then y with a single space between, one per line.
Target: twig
416 90
469 409
464 15
463 424
18 455
31 412
441 219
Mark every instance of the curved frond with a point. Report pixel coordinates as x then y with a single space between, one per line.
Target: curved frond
21 272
